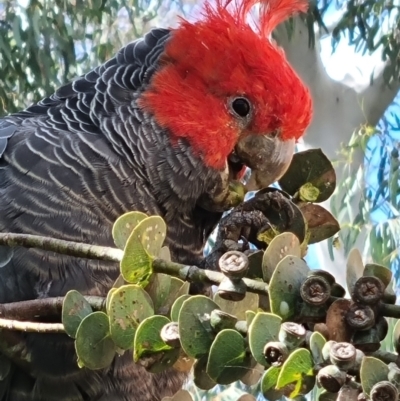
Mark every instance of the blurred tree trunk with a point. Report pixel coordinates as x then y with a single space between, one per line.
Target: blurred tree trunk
340 108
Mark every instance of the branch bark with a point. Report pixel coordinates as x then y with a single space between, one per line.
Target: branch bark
70 248
33 327
192 274
45 307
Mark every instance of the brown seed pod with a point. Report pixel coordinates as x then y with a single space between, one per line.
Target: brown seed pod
367 340
315 290
292 334
275 353
324 274
170 334
343 355
337 290
232 290
382 327
368 290
331 378
234 264
384 391
360 317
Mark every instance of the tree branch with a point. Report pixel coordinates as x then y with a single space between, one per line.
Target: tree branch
32 327
195 274
45 307
339 107
70 248
386 356
378 96
188 273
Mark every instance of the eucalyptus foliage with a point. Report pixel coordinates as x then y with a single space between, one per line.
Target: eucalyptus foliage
45 43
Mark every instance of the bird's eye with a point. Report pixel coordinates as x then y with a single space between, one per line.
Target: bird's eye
241 106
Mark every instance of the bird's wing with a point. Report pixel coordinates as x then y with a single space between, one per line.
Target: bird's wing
60 177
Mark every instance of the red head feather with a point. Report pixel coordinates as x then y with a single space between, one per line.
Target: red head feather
219 57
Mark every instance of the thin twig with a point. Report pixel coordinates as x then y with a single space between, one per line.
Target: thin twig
195 274
386 356
389 310
70 248
32 326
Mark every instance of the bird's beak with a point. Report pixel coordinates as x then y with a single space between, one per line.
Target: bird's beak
269 157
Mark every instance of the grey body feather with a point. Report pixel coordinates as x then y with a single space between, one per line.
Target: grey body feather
69 166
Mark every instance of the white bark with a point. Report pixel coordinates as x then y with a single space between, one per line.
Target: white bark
340 108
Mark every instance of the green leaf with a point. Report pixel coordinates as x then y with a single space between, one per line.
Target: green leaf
147 338
238 308
379 271
108 299
164 290
255 265
136 264
263 329
17 30
75 308
195 330
176 307
227 361
124 226
152 232
157 363
253 375
317 342
143 245
250 315
295 370
200 376
310 168
178 288
396 336
372 371
159 288
268 384
282 245
93 343
129 305
354 268
284 287
165 254
320 223
155 355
